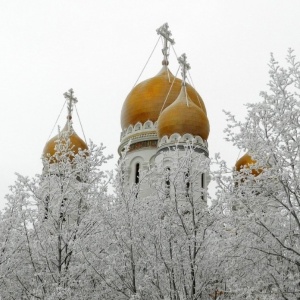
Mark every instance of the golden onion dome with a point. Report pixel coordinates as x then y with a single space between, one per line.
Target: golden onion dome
183 116
147 99
246 161
76 143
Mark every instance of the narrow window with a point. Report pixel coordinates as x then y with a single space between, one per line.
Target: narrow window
167 182
202 186
187 183
46 207
62 213
137 173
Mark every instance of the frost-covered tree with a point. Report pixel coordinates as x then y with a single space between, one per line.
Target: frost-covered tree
49 222
63 237
11 239
118 265
261 201
182 252
162 246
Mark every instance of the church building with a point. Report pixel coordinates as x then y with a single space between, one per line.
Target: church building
160 114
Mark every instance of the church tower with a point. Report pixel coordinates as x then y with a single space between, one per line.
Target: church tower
65 160
160 113
73 143
183 130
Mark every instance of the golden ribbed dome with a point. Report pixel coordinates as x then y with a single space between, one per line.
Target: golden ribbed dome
146 100
75 141
246 161
183 116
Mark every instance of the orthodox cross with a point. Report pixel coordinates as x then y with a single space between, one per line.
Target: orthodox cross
185 66
71 100
166 35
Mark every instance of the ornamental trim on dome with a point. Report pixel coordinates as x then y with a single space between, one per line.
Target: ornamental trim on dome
139 133
129 132
176 138
146 136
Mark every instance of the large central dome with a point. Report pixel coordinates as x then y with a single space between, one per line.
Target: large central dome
147 99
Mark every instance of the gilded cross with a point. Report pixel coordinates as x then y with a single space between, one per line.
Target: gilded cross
71 100
165 33
185 66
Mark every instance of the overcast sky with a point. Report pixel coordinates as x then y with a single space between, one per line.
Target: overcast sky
99 49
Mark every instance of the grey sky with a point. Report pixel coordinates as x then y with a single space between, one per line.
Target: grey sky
99 49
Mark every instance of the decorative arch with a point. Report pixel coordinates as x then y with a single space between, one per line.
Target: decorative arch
129 129
138 126
187 137
152 160
148 124
174 137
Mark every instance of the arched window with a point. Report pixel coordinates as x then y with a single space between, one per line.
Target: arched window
137 173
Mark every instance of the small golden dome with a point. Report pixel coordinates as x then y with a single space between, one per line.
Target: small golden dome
76 143
146 100
183 116
246 161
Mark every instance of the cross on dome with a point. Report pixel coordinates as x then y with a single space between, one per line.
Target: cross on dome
165 33
71 100
185 66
